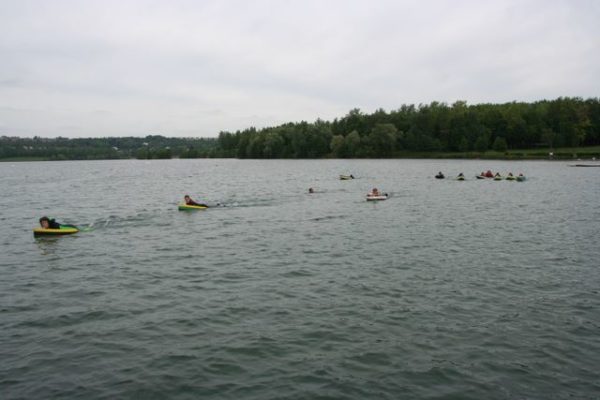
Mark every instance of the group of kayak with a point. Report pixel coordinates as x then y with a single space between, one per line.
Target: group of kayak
49 226
373 195
487 175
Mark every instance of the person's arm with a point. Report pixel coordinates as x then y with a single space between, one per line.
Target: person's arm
193 203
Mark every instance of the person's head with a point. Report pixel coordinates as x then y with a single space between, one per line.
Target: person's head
187 197
45 222
375 190
310 190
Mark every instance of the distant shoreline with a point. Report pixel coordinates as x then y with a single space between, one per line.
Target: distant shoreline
561 129
562 154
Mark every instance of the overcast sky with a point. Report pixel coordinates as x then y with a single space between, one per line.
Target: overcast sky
193 68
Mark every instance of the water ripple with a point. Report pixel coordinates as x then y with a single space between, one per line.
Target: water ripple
483 290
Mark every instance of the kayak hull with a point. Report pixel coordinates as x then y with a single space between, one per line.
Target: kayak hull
521 179
185 207
54 232
376 198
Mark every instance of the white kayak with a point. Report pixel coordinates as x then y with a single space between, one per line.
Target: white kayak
380 197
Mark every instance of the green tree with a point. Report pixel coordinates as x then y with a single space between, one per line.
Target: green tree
337 146
190 153
352 144
383 139
548 137
354 121
273 145
256 146
143 153
318 138
482 143
500 144
164 153
463 145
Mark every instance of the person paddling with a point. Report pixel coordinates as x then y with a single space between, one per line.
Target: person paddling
188 201
47 223
375 193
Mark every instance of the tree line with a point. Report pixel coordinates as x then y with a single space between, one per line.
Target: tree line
423 128
149 147
411 129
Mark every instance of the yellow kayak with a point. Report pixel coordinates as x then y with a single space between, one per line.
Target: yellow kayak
67 230
186 207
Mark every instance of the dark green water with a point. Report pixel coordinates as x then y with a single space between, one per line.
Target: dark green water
458 290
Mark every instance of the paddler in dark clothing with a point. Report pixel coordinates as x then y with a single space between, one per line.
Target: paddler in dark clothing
190 202
47 223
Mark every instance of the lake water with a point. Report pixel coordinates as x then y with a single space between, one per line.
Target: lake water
448 290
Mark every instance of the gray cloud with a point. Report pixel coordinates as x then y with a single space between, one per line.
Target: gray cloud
193 68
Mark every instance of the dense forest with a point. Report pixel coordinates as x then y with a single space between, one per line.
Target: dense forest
426 128
60 148
412 130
